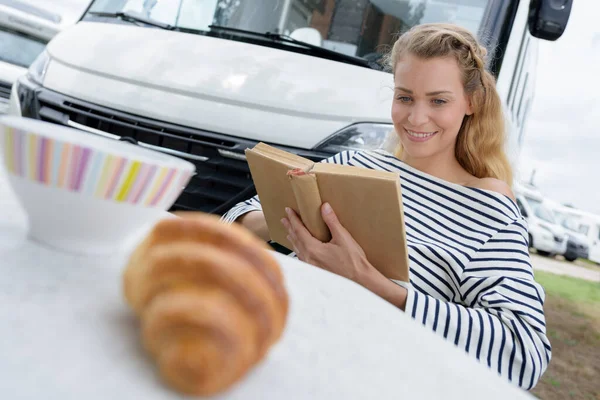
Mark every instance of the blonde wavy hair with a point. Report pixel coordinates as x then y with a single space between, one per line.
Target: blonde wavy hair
481 139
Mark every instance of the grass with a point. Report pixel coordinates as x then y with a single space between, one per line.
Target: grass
573 324
572 289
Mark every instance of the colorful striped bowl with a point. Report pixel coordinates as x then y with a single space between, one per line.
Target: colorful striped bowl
86 193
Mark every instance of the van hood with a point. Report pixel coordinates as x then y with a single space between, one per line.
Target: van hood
556 229
319 95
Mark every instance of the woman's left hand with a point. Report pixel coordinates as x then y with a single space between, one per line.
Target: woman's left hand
342 255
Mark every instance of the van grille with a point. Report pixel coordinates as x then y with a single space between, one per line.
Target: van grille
222 174
5 88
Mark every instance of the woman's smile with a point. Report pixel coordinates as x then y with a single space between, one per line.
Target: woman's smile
418 136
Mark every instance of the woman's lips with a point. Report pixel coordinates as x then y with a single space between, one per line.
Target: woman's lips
417 136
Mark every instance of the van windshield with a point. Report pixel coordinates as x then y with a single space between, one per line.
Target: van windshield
19 49
571 224
359 28
541 211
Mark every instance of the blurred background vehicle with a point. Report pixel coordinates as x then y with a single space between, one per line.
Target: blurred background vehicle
578 244
546 235
24 32
589 226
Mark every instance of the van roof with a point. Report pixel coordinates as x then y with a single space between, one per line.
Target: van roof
580 213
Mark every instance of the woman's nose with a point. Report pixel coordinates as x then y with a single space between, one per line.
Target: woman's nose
418 116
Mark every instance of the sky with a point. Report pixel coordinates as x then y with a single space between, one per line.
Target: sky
562 139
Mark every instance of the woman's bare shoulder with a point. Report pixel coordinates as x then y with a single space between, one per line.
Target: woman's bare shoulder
493 184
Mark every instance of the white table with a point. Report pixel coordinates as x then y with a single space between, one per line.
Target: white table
65 333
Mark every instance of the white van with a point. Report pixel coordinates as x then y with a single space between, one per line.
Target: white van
589 225
578 244
206 79
24 32
545 234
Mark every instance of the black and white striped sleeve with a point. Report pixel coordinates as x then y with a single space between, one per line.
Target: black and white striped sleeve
501 319
253 204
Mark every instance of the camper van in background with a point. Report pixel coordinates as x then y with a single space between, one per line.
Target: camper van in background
205 79
578 244
25 31
588 225
545 234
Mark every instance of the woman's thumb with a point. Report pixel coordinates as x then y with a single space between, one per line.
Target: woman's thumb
331 220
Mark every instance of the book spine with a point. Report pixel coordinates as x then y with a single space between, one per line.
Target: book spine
308 198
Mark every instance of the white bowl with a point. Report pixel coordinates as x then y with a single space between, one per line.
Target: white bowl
85 193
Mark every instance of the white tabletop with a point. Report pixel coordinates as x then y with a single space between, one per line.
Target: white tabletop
65 333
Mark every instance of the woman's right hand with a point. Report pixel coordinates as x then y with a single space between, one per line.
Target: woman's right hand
255 222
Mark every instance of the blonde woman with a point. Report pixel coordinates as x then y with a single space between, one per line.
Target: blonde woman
471 276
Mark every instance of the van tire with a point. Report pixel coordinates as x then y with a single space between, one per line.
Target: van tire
543 253
530 241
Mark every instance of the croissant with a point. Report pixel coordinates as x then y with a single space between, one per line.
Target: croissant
210 298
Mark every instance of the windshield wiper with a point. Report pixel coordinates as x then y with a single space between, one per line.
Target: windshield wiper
316 50
130 18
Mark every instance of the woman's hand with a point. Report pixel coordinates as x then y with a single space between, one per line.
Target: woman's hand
342 255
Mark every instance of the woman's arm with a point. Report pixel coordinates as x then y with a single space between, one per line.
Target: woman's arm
249 214
386 289
501 319
256 223
242 208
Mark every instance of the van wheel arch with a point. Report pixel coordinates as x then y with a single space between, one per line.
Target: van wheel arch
530 240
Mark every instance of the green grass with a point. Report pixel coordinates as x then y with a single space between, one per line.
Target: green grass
573 289
554 382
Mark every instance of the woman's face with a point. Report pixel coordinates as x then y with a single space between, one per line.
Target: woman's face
429 105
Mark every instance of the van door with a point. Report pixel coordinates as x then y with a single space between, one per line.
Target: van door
595 243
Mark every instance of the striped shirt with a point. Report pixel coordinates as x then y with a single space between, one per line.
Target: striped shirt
471 279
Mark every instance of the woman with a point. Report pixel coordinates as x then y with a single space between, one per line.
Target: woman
471 276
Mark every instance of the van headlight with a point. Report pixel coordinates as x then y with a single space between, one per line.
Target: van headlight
361 136
37 70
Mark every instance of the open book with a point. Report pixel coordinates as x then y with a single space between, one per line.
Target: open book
367 202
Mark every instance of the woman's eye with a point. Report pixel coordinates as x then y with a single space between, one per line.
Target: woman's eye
403 99
439 102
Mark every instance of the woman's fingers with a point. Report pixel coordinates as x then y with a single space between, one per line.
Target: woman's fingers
292 238
301 239
298 229
288 226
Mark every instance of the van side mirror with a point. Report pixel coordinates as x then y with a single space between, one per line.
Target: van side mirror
548 18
